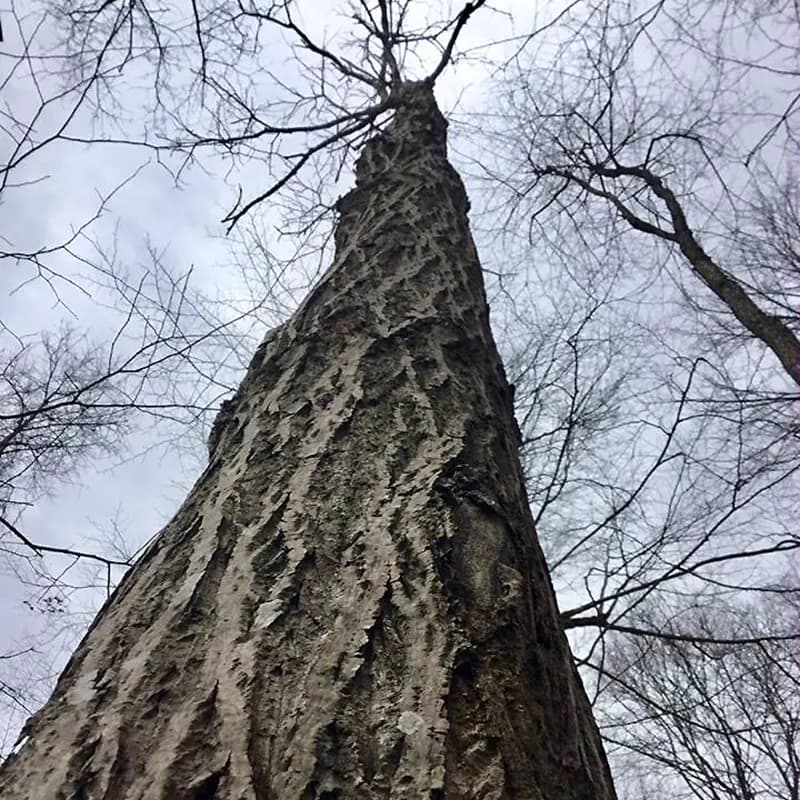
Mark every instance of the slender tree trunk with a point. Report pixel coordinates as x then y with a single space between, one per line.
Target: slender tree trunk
351 603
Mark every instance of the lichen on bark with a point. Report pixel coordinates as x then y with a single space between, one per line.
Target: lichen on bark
352 602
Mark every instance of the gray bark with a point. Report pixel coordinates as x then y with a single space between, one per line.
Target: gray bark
351 603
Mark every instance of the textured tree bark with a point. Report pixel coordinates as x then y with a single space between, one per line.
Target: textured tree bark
351 603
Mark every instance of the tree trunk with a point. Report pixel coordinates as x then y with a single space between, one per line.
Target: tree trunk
351 603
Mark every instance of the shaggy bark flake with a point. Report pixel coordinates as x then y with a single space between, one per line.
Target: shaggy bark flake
351 603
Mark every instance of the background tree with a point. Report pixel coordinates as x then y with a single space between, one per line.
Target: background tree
724 718
647 160
103 358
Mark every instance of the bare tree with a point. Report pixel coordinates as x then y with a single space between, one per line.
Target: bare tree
723 719
667 162
354 584
659 432
71 399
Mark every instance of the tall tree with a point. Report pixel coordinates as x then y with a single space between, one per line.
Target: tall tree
352 601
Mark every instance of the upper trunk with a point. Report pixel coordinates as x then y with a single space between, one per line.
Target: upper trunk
351 603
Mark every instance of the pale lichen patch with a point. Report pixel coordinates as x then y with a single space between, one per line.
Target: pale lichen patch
84 689
410 722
